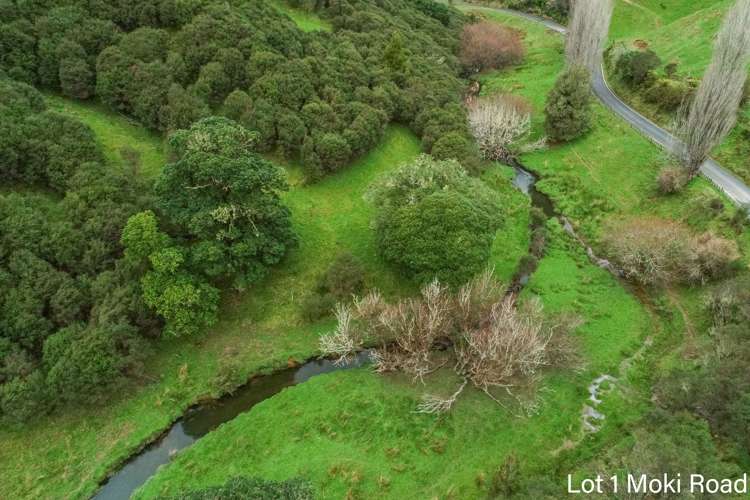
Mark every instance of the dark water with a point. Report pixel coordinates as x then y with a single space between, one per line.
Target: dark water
525 182
200 420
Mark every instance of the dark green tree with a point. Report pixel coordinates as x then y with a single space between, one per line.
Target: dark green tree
225 199
568 109
435 221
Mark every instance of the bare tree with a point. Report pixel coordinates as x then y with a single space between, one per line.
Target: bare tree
713 112
587 31
493 341
510 343
498 121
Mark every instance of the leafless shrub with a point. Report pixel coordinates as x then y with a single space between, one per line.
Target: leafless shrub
714 255
509 344
495 342
655 251
713 112
671 180
345 340
487 45
587 31
435 404
497 122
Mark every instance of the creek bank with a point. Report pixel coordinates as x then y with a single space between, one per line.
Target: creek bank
203 418
525 181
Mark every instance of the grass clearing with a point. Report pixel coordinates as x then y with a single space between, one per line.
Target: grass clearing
367 441
306 21
114 131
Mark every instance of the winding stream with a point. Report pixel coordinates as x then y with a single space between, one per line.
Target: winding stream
525 181
202 419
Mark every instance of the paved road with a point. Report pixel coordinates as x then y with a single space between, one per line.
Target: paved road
733 186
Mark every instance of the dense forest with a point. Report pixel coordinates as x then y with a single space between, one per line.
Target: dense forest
82 293
324 98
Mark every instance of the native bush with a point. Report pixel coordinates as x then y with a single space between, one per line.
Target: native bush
635 66
568 109
434 220
251 488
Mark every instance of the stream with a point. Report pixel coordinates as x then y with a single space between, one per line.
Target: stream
202 419
525 181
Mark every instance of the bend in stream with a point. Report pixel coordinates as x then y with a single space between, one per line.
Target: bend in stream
202 419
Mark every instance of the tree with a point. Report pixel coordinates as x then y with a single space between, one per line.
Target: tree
494 342
587 31
568 109
634 66
435 221
713 111
487 45
76 78
394 55
498 121
185 301
226 200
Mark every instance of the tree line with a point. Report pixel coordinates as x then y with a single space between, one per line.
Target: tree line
322 98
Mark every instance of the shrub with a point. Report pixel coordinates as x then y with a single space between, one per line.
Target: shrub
568 109
634 67
344 278
672 179
669 94
655 251
251 488
495 342
436 221
498 121
487 45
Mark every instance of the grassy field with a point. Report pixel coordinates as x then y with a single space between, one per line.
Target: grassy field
114 132
307 21
367 441
258 331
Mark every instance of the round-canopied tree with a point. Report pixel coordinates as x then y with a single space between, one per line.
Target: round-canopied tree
436 221
225 200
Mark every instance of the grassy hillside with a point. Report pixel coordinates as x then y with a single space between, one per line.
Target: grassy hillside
680 31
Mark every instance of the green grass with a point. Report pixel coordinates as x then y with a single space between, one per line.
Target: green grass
356 433
114 131
258 331
307 21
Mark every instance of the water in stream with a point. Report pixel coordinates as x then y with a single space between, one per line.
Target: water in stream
525 181
200 420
